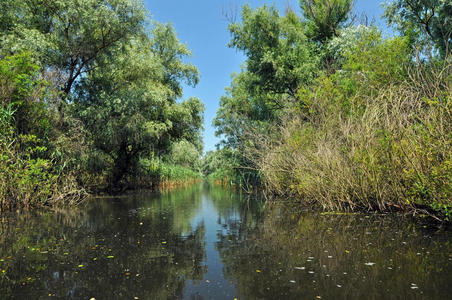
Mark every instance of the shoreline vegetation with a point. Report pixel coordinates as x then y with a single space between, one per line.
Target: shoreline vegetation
330 112
91 100
326 110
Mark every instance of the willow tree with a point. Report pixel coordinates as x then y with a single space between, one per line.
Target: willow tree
279 55
115 78
128 103
425 22
324 18
69 35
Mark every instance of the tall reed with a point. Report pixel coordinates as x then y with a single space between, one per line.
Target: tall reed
390 148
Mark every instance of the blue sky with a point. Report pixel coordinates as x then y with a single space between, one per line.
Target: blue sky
200 24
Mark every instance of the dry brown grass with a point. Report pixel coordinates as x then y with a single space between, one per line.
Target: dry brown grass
392 149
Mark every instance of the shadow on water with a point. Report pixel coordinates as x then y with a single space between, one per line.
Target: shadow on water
212 243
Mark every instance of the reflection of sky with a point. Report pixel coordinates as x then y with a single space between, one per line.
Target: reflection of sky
217 287
276 253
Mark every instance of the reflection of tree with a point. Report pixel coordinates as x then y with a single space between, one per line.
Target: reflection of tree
271 259
233 206
118 248
148 247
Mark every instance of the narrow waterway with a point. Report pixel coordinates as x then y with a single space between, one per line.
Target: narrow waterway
211 243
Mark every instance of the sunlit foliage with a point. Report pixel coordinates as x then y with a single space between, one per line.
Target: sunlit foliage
92 88
354 120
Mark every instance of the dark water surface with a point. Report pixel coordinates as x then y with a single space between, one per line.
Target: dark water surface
210 243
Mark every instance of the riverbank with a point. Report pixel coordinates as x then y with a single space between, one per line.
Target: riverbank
352 121
21 189
92 103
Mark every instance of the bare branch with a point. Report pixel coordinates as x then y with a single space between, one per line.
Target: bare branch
230 13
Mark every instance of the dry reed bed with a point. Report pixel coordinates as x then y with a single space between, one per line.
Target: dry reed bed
392 149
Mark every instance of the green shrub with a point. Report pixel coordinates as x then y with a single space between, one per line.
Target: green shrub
30 173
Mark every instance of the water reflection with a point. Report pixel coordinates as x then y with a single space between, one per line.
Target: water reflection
313 256
115 248
211 243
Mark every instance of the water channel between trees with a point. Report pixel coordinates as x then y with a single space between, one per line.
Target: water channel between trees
211 243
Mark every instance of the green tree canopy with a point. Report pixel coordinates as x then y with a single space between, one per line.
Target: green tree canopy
70 35
113 79
324 18
128 101
279 57
425 22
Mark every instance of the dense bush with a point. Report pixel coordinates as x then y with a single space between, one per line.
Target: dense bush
29 176
88 91
362 122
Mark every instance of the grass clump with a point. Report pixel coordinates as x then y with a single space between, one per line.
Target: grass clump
389 147
158 173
